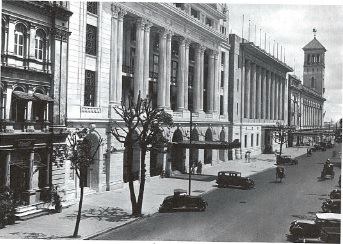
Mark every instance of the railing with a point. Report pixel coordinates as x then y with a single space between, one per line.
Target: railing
153 75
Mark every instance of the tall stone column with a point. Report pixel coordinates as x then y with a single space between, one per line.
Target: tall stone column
226 84
181 76
119 86
202 51
32 42
253 91
113 58
277 97
210 82
162 63
283 83
263 93
186 70
269 98
139 59
146 59
242 91
272 94
197 77
168 69
8 102
258 92
216 96
247 90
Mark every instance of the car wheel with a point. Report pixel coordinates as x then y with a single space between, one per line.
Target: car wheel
297 232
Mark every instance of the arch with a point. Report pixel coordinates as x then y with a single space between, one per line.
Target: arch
208 152
39 108
40 44
178 155
20 39
39 90
222 152
18 107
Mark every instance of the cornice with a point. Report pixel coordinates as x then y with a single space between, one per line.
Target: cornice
207 8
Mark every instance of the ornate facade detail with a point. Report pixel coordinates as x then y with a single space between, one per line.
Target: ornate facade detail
59 34
96 110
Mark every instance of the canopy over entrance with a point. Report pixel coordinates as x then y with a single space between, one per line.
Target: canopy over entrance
208 144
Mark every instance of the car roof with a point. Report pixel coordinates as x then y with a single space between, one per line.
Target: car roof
306 221
328 216
232 172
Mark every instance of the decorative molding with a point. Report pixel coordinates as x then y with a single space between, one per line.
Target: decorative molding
59 34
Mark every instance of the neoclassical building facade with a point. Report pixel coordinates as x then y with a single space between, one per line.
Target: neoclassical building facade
176 53
257 95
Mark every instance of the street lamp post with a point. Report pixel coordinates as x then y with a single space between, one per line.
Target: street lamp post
190 152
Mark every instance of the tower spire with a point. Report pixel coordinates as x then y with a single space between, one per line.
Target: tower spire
314 32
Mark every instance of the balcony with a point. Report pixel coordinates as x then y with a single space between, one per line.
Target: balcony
153 75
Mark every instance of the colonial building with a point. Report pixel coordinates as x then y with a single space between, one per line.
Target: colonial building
34 49
177 53
257 95
305 99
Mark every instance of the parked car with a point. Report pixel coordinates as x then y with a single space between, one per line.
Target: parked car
327 170
180 201
335 194
234 179
304 228
332 206
320 147
285 159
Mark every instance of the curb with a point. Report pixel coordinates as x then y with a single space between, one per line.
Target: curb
110 229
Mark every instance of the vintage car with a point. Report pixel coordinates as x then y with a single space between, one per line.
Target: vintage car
335 194
327 171
180 201
234 179
300 229
285 159
320 147
332 206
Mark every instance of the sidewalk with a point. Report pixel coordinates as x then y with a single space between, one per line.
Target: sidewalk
108 210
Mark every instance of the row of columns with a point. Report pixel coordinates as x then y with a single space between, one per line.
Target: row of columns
141 67
264 93
312 115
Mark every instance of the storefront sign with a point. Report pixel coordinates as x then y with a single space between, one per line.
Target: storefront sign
24 143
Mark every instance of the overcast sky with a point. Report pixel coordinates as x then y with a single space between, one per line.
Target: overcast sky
291 26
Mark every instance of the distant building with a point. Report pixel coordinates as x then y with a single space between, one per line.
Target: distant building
305 99
257 95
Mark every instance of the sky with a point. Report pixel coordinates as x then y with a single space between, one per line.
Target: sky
291 26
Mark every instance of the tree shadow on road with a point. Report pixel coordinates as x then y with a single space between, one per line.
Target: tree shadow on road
275 182
103 214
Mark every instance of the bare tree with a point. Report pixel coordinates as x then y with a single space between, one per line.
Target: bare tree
280 135
142 124
81 148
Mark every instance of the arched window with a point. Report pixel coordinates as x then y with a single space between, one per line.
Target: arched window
18 107
19 40
312 83
39 45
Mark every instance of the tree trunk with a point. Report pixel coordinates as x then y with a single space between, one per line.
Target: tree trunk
142 184
78 219
129 159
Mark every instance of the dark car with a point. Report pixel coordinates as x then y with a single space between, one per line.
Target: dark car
321 147
180 201
332 206
285 159
330 234
335 194
234 179
300 229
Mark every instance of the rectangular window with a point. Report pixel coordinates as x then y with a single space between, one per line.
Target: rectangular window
237 84
237 108
155 63
222 79
90 89
245 141
173 72
91 39
39 48
257 139
190 75
195 13
252 140
92 7
223 30
209 21
221 105
19 44
223 58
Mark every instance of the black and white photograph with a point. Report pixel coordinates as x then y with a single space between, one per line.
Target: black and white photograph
195 121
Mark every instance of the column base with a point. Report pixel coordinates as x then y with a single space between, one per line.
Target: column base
30 196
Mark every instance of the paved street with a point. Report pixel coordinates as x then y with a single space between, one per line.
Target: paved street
260 215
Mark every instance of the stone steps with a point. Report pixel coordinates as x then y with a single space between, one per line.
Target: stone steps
32 211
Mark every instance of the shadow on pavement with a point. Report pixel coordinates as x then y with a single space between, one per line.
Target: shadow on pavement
103 214
35 235
207 178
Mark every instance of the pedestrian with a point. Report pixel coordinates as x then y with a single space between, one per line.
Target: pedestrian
199 168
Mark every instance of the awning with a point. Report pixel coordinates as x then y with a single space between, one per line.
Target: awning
43 97
23 95
208 144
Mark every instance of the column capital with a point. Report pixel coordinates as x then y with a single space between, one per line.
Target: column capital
148 25
180 39
115 9
162 33
187 42
140 23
